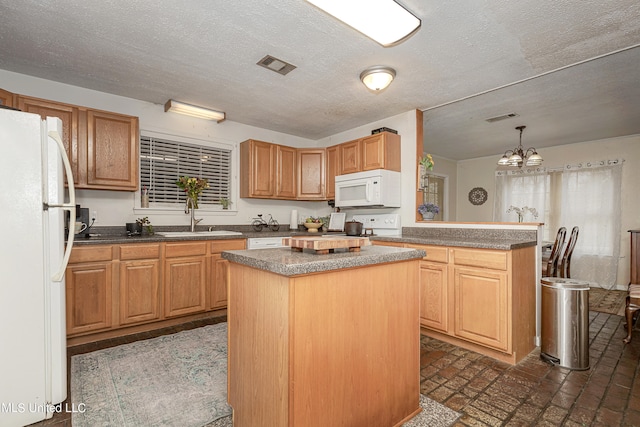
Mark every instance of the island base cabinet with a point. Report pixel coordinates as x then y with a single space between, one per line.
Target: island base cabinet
340 348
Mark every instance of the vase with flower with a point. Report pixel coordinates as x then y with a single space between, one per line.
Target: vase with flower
428 210
425 163
193 188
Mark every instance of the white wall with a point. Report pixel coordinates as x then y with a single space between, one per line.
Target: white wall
480 173
117 208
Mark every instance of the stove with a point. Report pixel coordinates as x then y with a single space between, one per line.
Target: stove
379 224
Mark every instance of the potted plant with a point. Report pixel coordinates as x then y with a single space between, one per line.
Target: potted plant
144 222
426 161
225 202
428 210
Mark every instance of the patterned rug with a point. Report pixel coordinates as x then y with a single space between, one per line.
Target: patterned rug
174 380
605 301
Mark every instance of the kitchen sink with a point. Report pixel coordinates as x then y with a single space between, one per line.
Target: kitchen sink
198 233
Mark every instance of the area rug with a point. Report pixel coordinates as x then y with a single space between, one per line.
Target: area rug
607 301
173 380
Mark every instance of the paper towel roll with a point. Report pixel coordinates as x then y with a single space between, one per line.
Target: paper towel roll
293 222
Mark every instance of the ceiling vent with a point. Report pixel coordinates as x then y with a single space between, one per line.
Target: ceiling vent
277 65
502 117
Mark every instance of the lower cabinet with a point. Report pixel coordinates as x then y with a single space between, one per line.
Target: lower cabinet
89 286
481 299
185 278
113 287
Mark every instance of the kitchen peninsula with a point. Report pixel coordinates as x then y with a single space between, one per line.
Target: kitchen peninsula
317 340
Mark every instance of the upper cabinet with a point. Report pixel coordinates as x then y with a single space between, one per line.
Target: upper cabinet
272 171
112 151
286 172
311 172
6 98
332 167
378 151
102 146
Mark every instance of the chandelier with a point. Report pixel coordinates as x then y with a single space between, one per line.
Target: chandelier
517 157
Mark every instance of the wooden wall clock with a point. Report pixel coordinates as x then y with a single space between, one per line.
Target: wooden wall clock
477 196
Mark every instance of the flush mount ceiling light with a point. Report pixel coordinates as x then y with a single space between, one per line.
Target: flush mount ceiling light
384 21
194 111
377 78
517 157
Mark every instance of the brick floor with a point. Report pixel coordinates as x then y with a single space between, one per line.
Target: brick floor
533 393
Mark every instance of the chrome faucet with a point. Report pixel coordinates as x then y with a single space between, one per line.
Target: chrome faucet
189 207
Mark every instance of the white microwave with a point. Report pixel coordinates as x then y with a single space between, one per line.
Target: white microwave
379 188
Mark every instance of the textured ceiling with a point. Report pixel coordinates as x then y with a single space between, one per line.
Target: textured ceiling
205 52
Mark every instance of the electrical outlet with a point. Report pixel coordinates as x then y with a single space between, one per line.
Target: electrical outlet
94 216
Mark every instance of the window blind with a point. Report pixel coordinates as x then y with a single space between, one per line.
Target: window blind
163 161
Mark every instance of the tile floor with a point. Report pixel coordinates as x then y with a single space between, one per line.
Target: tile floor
492 393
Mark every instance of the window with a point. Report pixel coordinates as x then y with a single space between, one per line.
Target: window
163 161
434 193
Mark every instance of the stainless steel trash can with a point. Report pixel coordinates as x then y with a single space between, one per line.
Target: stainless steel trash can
565 322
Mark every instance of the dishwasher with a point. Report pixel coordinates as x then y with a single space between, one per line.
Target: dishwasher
264 242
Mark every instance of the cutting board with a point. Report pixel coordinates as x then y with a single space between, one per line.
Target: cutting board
325 244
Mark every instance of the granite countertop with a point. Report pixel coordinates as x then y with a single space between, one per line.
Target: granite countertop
466 242
286 262
466 238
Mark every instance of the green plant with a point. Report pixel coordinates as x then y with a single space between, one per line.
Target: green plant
225 202
427 161
144 222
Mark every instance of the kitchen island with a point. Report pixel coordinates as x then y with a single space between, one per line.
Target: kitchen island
324 340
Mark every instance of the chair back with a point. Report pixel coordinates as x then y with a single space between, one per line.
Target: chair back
552 263
565 262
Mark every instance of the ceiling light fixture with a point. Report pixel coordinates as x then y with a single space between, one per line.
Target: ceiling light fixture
377 78
384 21
194 111
518 156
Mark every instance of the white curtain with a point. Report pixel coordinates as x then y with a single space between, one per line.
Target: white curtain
526 187
591 200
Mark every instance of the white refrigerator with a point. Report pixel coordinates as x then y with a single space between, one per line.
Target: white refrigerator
33 258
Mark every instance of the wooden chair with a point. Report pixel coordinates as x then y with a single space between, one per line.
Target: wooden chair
631 310
564 267
550 263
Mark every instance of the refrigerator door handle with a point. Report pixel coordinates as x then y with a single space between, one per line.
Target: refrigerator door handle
71 206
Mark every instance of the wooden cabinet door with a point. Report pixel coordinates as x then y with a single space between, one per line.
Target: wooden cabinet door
257 169
219 282
311 174
350 157
139 291
6 98
381 151
481 307
286 172
112 151
184 285
88 297
69 114
434 299
332 158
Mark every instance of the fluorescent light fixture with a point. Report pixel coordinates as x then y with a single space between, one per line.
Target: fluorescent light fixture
377 78
384 21
194 111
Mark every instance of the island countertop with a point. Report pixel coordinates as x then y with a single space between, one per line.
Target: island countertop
286 262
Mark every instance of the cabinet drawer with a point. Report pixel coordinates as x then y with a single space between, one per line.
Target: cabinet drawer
128 252
434 253
227 245
90 254
495 260
173 250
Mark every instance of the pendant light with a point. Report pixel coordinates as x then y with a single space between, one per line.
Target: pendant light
518 156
